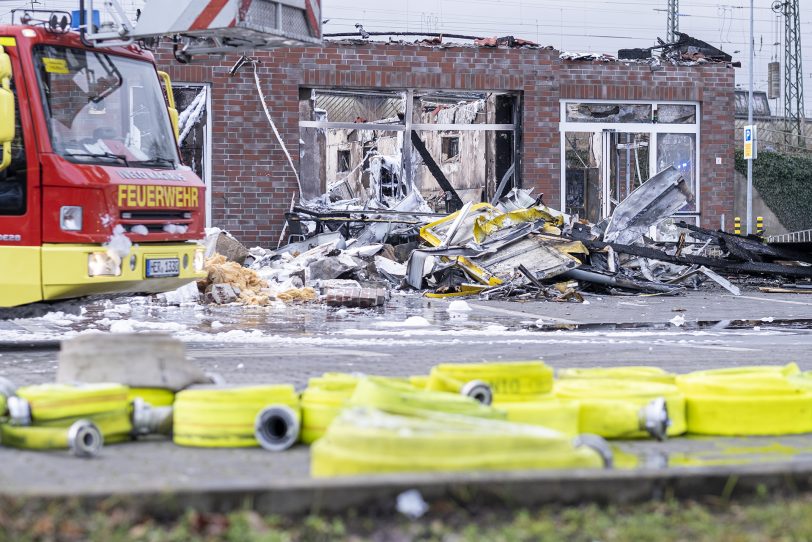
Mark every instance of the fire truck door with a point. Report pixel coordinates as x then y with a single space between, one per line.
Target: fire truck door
20 206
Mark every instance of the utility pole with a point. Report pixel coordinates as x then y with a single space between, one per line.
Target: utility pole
750 124
793 73
672 21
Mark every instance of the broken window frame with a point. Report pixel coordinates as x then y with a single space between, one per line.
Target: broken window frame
207 145
652 128
407 124
450 142
343 160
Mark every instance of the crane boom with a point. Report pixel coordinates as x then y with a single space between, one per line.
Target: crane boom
208 26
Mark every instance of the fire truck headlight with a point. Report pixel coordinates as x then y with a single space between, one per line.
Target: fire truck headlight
199 261
103 264
70 218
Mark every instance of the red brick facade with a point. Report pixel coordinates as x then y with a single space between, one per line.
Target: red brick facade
251 180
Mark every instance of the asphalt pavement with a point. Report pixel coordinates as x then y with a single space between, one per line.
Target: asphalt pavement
408 336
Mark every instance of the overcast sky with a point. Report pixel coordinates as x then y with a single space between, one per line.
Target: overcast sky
574 25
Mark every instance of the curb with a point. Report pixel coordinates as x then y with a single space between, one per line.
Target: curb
501 489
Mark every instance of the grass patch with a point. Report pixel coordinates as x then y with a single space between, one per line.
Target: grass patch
758 519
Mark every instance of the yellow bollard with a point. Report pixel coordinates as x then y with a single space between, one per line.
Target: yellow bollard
759 225
737 225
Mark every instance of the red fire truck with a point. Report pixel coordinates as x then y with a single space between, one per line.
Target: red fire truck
93 196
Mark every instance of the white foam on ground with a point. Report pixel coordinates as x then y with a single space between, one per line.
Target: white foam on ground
459 305
411 321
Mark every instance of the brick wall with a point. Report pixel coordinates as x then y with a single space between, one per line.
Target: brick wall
252 184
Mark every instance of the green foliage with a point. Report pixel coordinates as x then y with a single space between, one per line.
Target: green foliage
785 184
762 517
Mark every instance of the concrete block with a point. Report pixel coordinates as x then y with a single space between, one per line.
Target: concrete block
143 360
355 297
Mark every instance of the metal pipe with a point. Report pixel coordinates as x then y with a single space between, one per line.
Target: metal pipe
750 123
150 420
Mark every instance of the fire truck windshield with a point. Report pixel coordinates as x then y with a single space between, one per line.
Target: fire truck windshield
105 109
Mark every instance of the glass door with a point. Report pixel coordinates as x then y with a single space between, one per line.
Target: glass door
602 169
627 166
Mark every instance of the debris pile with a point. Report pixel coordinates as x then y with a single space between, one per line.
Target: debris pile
513 248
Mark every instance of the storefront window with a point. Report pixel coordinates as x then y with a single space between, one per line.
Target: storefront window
678 150
603 112
676 114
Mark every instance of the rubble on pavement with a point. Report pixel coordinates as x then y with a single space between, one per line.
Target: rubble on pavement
354 255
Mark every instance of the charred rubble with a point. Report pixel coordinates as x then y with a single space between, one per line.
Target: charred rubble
343 254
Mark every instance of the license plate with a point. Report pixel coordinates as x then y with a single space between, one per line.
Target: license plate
163 267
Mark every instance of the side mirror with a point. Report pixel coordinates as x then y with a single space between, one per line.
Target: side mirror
170 98
7 114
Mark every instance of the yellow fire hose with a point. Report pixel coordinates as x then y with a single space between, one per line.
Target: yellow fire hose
363 440
266 416
322 401
745 401
626 408
642 373
502 382
43 413
48 402
82 438
554 413
41 416
397 397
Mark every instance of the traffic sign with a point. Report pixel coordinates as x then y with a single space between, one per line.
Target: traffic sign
750 149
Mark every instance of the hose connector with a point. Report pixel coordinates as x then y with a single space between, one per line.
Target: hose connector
654 418
598 444
19 411
478 390
150 420
276 428
84 439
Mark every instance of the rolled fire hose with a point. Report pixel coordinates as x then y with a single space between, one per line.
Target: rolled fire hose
322 401
642 373
747 401
60 401
554 413
59 406
626 409
397 397
368 441
82 438
266 416
502 382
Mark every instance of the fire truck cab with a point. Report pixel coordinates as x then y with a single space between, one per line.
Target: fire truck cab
94 198
93 195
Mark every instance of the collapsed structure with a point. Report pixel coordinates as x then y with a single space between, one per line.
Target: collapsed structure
463 123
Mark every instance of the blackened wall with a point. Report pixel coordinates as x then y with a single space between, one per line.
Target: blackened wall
252 184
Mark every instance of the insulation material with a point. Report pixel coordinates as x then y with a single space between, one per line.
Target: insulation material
250 285
301 295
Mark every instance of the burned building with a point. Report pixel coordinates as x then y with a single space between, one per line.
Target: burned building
460 123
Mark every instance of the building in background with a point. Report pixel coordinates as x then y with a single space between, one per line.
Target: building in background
583 131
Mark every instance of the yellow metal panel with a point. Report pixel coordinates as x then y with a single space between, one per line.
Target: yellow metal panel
170 98
64 270
20 275
6 41
7 119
